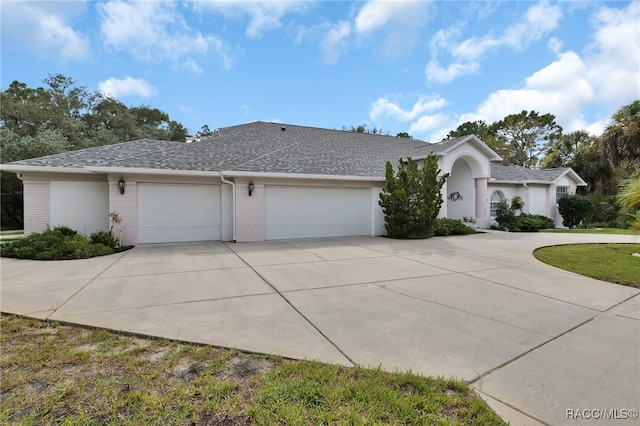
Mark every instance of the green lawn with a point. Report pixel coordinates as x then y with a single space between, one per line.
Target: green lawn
607 262
592 231
59 374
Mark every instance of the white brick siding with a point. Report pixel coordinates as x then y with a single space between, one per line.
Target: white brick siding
249 213
36 206
126 205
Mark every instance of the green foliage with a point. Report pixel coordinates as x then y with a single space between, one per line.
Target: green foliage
621 138
64 116
103 237
574 209
362 128
510 217
412 197
526 136
60 242
445 226
629 197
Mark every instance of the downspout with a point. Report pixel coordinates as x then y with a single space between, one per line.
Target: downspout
233 203
528 196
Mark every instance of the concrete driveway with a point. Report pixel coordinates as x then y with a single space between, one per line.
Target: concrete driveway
535 341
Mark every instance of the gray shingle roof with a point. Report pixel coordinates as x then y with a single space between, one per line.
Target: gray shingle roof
254 147
523 174
266 148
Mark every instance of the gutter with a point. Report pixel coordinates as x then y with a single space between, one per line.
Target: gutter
233 203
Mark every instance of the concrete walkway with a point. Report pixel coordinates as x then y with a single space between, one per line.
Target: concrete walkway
535 341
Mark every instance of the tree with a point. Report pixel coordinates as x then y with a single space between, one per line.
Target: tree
621 138
479 128
629 197
412 197
404 135
362 128
562 150
204 132
574 209
525 137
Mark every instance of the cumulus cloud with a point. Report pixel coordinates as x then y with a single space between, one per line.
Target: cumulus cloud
45 29
157 31
539 20
614 63
401 21
116 88
334 43
264 16
434 72
385 107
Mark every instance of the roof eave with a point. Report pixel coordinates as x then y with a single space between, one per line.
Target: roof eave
21 168
238 173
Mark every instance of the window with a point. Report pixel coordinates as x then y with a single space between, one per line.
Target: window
496 197
561 191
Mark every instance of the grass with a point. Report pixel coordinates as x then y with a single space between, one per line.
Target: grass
60 374
593 231
607 262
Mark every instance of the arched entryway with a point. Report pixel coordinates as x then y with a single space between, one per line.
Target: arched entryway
465 192
461 188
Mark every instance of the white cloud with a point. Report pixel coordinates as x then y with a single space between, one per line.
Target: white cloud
539 20
156 31
264 16
434 72
401 21
430 125
43 28
115 87
333 44
384 107
614 60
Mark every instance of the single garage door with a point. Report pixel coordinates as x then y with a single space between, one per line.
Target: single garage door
308 212
176 213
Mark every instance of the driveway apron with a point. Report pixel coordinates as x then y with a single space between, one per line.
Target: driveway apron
540 345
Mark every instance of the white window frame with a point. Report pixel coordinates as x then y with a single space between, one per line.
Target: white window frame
493 204
561 191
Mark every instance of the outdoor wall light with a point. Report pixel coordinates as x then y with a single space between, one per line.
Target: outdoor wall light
121 185
251 188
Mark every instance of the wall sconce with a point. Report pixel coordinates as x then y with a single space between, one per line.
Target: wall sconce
456 196
121 185
251 188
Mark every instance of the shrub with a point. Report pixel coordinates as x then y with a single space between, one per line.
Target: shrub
411 199
510 221
103 237
574 209
60 242
534 222
65 230
445 226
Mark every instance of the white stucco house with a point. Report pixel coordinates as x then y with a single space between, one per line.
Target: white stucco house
264 181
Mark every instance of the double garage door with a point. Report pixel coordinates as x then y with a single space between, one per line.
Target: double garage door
176 213
309 212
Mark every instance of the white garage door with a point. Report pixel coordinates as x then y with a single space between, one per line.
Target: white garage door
307 212
175 213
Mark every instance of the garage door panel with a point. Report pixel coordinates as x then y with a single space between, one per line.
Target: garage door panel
307 212
176 213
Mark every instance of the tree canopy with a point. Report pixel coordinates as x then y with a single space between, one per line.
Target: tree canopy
64 116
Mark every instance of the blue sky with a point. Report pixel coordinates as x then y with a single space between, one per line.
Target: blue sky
420 67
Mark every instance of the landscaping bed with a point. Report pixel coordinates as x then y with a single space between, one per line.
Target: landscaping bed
61 243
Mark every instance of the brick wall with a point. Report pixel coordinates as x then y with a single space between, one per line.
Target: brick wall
36 206
249 213
126 205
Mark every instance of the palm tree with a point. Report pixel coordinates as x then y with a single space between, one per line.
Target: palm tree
621 138
629 196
